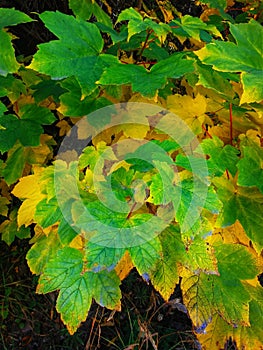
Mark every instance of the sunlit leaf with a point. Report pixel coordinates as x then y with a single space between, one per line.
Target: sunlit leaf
245 56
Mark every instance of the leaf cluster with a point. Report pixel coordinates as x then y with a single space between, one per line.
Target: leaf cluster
185 202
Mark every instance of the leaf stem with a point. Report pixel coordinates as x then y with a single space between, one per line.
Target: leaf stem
231 123
130 212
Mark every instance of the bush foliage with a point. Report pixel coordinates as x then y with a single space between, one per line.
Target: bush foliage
136 141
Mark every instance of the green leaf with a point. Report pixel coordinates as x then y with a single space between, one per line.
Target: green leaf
251 167
74 302
11 87
42 251
215 80
145 256
72 104
10 230
45 89
147 82
243 204
246 56
192 195
162 188
225 294
15 164
164 275
47 212
200 257
100 257
66 232
193 27
8 63
27 129
137 24
114 229
61 271
11 17
76 53
105 289
85 8
221 158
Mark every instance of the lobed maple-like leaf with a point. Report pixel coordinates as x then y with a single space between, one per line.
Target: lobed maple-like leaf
250 167
245 56
138 24
85 8
164 274
74 301
9 229
193 27
224 293
144 81
61 270
243 204
27 129
76 53
42 251
219 331
9 17
221 158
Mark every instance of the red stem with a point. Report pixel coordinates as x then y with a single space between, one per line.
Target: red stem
231 123
130 213
207 133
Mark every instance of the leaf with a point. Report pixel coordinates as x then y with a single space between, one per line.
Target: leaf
9 17
191 110
72 104
47 212
45 248
218 331
124 266
10 230
113 229
162 188
27 129
85 8
224 294
243 204
101 258
251 167
137 24
4 206
193 27
144 81
15 164
74 302
221 158
76 53
192 196
105 289
163 274
245 56
215 80
145 256
61 271
28 189
200 257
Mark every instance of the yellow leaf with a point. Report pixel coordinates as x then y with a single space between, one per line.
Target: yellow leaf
124 266
28 188
192 110
78 242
